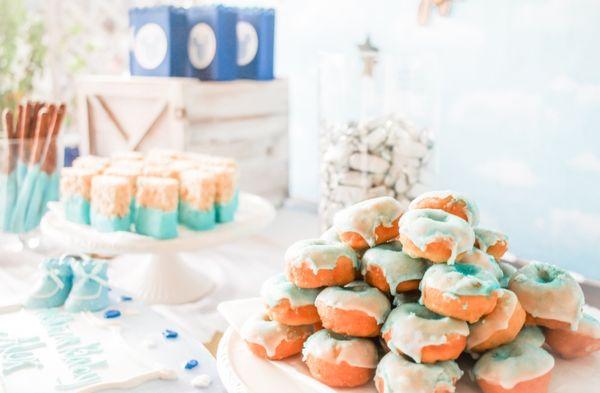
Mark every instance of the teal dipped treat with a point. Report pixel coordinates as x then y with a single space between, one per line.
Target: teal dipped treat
197 200
53 286
227 194
75 192
156 207
110 204
90 285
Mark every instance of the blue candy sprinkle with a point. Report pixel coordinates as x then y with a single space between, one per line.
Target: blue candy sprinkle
125 298
112 314
191 364
170 334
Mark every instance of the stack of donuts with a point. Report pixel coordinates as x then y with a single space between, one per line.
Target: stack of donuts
398 296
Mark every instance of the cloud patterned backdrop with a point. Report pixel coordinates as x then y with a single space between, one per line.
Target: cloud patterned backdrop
520 108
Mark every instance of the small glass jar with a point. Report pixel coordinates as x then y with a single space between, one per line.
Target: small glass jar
377 116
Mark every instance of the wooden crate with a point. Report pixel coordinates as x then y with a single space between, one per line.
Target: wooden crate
247 120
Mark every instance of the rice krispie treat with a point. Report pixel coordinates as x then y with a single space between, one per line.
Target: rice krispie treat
197 199
129 172
156 207
110 203
91 162
226 197
75 191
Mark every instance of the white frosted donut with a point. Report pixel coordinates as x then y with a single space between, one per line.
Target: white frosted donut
396 374
410 327
278 288
483 260
356 296
426 226
449 201
364 217
548 292
510 364
337 348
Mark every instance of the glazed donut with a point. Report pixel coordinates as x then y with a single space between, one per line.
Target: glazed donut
491 242
507 272
288 304
331 235
449 201
390 270
549 294
483 260
427 337
514 368
530 334
273 340
461 291
369 222
573 344
396 374
315 263
338 360
499 327
355 309
435 235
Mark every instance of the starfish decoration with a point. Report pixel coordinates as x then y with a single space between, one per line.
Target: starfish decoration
425 7
369 55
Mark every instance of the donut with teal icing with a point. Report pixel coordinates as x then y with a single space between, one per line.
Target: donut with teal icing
513 368
390 270
507 272
315 263
273 340
449 201
338 360
288 304
426 337
397 374
491 242
435 235
355 309
499 327
462 291
530 334
571 344
550 295
483 260
368 223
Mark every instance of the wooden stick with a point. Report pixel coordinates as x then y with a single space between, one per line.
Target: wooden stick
7 159
49 163
41 130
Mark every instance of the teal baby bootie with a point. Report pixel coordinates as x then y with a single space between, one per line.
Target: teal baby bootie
90 286
54 285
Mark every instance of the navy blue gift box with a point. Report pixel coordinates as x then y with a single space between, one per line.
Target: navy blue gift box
211 43
157 36
256 35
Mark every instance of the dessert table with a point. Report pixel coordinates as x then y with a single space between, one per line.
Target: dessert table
238 269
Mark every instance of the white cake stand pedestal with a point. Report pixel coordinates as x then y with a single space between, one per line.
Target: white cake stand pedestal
164 278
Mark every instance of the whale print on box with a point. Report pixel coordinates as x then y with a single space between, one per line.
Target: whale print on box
211 43
255 33
158 41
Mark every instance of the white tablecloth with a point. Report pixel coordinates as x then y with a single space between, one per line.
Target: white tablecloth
238 270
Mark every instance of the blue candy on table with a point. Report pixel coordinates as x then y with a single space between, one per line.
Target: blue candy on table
170 334
125 298
191 364
256 36
211 43
110 314
159 41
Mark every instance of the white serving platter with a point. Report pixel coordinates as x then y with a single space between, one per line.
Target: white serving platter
243 372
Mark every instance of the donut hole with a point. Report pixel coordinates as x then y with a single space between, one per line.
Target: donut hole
545 276
507 352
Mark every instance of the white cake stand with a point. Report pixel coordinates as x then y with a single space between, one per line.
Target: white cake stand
165 278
